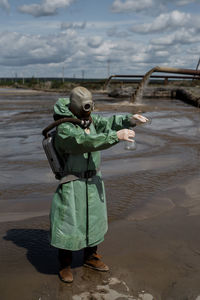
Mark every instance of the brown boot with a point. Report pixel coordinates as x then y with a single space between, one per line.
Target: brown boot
94 262
66 275
65 259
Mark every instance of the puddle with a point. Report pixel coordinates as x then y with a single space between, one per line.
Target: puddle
110 291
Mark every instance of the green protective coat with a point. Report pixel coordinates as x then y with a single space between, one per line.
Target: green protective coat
78 212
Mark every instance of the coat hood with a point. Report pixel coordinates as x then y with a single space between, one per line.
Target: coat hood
61 108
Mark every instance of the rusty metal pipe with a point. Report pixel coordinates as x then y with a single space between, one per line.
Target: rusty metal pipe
140 89
158 69
176 70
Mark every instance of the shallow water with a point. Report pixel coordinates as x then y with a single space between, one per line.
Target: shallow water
152 195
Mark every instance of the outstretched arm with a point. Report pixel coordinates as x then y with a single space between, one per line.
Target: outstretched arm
72 139
117 122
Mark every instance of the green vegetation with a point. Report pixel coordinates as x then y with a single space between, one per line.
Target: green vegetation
60 85
51 83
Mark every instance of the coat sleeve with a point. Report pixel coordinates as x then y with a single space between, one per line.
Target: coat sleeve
115 122
73 139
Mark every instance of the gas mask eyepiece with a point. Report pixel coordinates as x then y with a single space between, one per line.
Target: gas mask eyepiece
88 107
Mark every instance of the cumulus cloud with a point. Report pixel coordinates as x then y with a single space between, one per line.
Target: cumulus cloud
46 8
183 37
95 42
67 49
168 21
51 53
150 55
76 52
5 4
69 25
20 50
48 54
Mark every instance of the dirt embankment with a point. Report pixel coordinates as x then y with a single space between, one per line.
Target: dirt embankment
190 95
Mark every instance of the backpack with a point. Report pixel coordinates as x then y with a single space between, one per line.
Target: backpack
48 144
54 161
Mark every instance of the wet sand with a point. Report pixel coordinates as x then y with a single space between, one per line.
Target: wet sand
153 243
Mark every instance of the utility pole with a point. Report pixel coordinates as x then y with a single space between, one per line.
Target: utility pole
63 74
198 64
197 67
83 74
108 67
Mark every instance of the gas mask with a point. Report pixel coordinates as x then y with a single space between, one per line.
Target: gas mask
81 103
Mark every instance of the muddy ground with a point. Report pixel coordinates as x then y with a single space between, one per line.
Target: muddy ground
153 242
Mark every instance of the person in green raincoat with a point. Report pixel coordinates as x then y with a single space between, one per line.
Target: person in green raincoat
78 213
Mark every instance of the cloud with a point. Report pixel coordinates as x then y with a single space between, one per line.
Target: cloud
185 2
48 54
168 21
21 50
95 42
115 32
68 25
128 6
181 37
77 51
46 8
151 55
66 48
5 5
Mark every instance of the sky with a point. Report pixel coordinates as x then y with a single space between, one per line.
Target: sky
97 38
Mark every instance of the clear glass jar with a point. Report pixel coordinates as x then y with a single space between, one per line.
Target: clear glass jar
130 145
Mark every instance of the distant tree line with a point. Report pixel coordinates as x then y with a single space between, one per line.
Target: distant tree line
65 84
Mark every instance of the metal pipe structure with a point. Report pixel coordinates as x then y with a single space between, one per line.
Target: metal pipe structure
190 72
140 89
125 78
175 70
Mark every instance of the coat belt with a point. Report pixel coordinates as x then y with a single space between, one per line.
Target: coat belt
78 175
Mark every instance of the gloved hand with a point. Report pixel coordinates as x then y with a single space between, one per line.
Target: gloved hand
126 135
